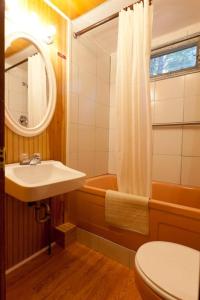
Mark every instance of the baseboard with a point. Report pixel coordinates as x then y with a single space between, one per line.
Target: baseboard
28 259
110 249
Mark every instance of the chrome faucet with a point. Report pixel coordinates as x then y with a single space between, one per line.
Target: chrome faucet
35 159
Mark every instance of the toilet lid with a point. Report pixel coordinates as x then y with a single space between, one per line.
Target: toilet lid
170 269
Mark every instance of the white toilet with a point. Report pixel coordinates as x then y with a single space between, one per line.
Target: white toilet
167 271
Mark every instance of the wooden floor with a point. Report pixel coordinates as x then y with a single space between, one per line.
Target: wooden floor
77 273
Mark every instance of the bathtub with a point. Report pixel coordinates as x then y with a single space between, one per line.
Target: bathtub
174 213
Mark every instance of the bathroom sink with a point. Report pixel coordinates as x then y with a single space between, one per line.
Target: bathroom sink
36 182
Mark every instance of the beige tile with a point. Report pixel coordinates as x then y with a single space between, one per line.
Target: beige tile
106 247
113 136
103 92
167 168
87 85
102 116
178 34
101 163
153 111
132 259
192 108
73 105
88 239
193 28
112 162
86 138
113 118
101 139
112 95
191 141
87 59
74 50
103 67
74 87
192 84
168 111
167 141
86 112
190 171
169 88
152 90
73 138
72 160
114 251
86 160
113 68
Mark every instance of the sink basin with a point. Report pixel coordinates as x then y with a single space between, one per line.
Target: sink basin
36 182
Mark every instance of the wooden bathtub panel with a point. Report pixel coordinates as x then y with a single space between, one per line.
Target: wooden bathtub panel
175 228
178 235
87 211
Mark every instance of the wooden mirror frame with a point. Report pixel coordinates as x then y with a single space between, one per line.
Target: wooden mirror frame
9 120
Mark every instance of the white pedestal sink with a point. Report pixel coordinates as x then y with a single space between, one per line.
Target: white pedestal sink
30 183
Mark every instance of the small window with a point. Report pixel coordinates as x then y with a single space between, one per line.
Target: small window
174 61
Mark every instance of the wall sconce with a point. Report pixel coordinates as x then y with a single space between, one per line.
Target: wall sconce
21 19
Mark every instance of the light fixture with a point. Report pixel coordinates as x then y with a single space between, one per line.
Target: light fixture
20 19
50 32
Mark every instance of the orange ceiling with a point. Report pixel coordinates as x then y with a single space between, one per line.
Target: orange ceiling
76 8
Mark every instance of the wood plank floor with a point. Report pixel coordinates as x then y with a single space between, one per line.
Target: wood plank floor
76 273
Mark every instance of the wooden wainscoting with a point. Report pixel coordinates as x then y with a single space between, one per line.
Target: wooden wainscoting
24 236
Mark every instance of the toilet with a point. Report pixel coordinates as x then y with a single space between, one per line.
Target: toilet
167 271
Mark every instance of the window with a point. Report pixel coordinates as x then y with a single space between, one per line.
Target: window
176 60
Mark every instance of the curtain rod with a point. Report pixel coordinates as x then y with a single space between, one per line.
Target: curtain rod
106 20
173 124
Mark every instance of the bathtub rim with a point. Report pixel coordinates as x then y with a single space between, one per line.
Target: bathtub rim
173 208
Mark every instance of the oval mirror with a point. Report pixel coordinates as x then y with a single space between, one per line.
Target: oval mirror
30 85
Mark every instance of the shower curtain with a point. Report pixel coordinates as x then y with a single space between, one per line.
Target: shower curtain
37 90
133 100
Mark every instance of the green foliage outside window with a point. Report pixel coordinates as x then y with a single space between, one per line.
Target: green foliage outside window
174 61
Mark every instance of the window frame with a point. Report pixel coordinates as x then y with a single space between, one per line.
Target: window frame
176 48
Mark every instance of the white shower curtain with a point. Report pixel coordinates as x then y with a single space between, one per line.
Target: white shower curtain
37 90
133 100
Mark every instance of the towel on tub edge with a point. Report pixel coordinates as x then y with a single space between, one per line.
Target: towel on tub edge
127 211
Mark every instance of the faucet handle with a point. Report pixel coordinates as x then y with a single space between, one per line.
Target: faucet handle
37 156
24 159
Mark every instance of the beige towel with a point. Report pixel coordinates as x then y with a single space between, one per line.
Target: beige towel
127 211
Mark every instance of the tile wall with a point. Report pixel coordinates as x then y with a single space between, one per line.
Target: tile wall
176 151
89 108
92 116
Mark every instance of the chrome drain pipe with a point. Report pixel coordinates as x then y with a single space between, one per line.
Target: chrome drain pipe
47 215
38 205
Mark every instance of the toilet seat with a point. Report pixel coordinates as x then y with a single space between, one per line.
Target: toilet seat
170 269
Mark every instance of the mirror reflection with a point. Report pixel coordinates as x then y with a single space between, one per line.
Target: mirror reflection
26 84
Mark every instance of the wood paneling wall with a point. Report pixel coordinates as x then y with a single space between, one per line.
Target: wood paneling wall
23 236
2 198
